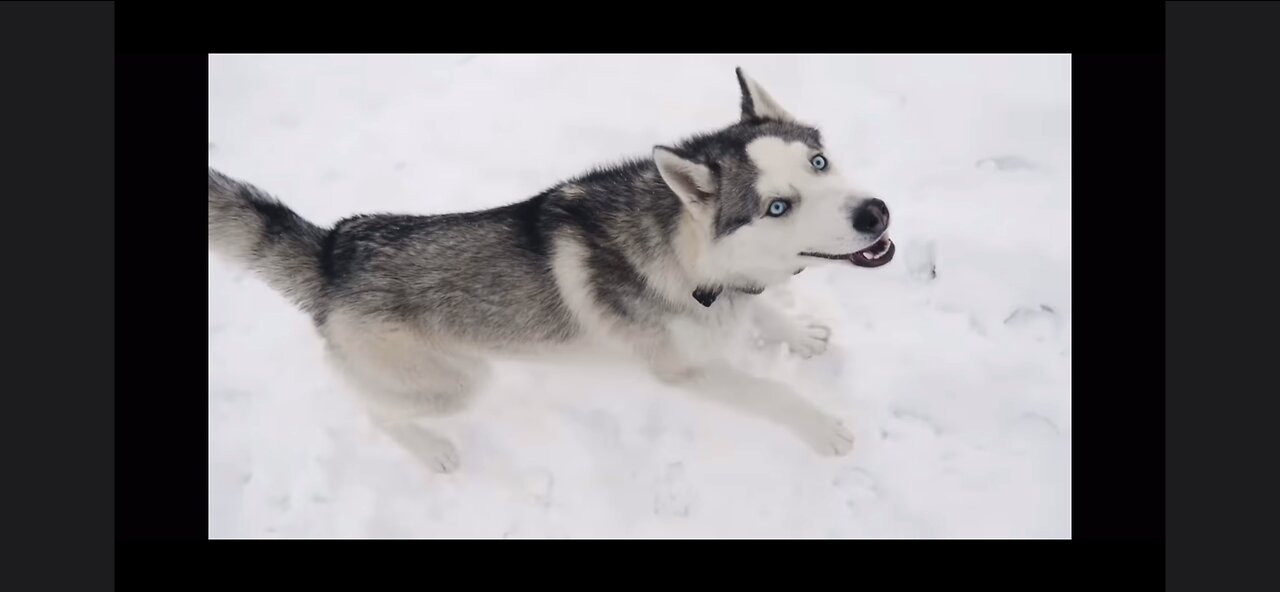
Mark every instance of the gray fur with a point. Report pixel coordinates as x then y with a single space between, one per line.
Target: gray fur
410 304
256 229
462 272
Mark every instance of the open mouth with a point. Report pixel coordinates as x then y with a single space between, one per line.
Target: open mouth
874 256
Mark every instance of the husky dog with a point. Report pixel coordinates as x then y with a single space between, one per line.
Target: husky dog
662 256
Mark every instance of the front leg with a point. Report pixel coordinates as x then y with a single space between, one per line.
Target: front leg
803 335
762 398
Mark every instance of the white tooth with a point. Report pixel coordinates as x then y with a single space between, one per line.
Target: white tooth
867 255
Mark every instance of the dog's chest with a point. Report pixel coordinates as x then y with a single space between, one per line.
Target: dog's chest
709 330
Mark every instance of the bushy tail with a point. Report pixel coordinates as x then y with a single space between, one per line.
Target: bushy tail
263 234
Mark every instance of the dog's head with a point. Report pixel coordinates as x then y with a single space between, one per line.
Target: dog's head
769 199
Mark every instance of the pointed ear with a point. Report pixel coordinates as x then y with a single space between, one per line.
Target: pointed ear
693 182
756 103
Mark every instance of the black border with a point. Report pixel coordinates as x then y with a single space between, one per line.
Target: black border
158 437
56 131
1118 399
1222 125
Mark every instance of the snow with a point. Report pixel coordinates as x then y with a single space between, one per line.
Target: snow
958 386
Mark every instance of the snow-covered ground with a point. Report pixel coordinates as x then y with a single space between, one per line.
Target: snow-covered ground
958 387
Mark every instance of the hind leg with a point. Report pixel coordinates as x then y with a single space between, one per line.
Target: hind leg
400 397
429 448
404 379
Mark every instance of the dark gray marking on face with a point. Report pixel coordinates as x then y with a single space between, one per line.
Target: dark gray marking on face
725 153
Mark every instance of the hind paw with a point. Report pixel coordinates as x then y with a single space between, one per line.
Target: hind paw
437 453
444 458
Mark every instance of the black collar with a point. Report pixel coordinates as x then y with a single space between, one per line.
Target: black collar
707 296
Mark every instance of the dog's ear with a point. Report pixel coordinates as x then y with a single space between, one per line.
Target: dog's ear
756 103
693 182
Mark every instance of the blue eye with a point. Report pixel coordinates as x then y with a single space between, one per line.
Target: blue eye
819 162
779 207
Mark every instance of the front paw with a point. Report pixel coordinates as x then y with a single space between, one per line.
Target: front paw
826 435
808 338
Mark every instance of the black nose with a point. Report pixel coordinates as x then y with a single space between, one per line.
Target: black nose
872 217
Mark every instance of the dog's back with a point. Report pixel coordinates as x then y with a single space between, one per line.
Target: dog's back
481 277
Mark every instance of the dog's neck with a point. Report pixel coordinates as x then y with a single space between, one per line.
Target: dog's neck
689 251
702 283
684 271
